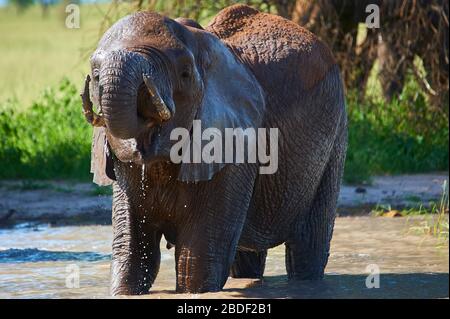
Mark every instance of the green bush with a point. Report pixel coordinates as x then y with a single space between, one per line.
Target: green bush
50 139
403 136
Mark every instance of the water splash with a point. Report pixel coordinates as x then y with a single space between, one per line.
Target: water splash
143 178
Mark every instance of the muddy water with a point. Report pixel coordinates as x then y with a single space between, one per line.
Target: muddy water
36 262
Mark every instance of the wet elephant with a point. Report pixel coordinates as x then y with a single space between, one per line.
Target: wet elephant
152 74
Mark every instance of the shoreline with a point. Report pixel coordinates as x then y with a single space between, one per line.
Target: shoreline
69 203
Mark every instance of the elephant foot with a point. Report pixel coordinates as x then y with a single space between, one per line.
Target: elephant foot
301 266
249 264
193 289
131 280
197 274
128 291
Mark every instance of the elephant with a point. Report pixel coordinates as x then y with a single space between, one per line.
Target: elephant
151 74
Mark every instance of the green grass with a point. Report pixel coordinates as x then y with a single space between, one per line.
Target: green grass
436 222
38 52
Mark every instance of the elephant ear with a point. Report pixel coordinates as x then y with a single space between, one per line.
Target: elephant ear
232 98
102 165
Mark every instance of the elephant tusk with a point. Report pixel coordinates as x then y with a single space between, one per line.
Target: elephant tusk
161 107
94 119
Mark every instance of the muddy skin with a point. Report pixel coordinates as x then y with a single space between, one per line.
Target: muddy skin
246 69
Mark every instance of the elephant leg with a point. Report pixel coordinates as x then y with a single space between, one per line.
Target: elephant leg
135 250
207 241
200 269
307 248
249 264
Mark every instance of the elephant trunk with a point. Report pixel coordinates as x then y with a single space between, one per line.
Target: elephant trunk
122 82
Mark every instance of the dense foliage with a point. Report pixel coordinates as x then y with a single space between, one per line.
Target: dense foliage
49 140
402 136
52 140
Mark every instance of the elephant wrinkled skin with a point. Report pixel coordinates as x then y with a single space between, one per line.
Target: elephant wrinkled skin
151 74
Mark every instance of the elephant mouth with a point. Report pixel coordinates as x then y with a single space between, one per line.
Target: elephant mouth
143 149
147 146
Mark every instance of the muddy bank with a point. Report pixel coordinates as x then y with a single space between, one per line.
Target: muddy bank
54 202
84 203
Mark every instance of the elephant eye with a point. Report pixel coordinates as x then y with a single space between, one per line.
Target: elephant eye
186 73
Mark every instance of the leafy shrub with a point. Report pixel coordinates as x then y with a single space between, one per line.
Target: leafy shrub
48 140
52 140
403 136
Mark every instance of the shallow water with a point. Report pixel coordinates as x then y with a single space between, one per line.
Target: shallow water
36 262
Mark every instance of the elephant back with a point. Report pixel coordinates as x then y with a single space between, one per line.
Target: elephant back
282 55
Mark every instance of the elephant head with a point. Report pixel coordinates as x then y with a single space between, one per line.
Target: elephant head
151 74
